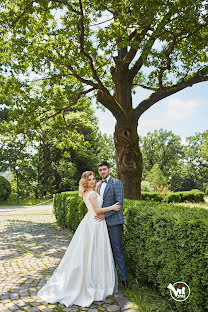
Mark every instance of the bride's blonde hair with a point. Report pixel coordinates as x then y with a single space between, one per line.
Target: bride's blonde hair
83 182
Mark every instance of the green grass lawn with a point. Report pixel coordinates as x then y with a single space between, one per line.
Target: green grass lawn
25 202
193 205
145 298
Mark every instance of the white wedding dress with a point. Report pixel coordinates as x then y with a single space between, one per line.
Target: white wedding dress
86 272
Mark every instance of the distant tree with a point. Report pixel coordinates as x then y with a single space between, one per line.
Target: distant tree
197 160
164 148
155 177
106 151
53 155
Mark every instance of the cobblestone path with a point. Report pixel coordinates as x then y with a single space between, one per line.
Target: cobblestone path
31 247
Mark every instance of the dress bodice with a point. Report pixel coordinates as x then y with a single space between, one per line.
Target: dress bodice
88 204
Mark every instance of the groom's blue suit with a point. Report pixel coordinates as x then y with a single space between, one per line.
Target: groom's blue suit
114 219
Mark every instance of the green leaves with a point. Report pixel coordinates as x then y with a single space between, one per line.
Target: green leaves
46 35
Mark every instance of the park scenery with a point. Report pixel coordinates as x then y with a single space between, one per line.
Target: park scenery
62 63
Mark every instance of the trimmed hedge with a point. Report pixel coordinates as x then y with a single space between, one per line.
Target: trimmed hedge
173 197
153 196
194 196
69 209
164 244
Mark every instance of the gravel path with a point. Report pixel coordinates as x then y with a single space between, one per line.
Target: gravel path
31 246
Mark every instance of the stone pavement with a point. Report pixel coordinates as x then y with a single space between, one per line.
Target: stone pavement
31 246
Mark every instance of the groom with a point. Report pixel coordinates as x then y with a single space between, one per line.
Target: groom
111 191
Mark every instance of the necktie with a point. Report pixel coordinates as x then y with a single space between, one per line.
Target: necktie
104 181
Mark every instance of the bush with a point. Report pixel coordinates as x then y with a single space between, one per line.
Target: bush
82 210
166 243
194 196
154 196
206 191
5 189
173 197
69 209
59 206
72 217
163 243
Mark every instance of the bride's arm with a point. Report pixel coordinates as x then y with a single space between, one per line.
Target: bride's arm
93 201
97 185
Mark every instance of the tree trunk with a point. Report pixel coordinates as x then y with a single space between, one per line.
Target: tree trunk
128 155
128 160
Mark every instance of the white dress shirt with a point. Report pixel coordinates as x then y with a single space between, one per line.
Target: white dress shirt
103 186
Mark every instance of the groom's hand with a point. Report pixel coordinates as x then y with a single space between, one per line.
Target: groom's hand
100 217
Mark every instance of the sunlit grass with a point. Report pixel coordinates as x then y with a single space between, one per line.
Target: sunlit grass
25 202
145 298
193 205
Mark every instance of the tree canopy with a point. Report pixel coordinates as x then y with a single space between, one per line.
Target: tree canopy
104 48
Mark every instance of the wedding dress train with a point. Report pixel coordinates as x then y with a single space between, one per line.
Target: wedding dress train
86 272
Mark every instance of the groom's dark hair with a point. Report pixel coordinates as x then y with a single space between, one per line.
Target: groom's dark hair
103 163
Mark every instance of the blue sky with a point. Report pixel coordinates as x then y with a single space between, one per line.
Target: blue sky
185 113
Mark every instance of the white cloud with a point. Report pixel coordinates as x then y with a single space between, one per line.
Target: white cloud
178 109
159 116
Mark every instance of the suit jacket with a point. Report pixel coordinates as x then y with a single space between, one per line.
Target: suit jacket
113 193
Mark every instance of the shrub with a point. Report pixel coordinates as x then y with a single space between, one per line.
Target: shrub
154 196
173 197
82 210
163 243
166 243
72 216
206 191
59 206
69 209
194 196
5 188
191 196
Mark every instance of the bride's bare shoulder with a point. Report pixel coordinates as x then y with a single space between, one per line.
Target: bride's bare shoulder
90 194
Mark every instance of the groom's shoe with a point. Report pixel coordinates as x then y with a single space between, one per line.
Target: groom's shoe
125 284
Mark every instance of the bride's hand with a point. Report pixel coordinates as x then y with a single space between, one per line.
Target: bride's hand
98 184
116 207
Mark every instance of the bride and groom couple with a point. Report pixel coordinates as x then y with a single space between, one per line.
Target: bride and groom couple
87 271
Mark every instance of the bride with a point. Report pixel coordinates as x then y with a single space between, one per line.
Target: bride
86 272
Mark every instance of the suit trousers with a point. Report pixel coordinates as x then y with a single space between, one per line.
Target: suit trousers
115 233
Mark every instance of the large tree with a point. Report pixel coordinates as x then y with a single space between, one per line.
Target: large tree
108 48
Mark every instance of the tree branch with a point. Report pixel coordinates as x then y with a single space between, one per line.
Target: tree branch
64 109
82 50
143 86
137 38
67 4
73 73
161 93
24 11
148 46
167 67
106 99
